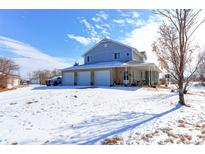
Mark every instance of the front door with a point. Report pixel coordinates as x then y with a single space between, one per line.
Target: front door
126 77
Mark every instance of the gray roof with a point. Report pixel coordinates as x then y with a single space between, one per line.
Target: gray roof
112 64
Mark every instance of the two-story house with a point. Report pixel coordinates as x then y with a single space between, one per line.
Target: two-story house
112 63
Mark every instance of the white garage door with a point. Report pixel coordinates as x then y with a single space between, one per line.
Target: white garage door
102 78
84 78
68 78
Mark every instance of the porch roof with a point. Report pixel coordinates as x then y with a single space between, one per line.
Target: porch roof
114 64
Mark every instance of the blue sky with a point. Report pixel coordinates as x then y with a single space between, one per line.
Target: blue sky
48 39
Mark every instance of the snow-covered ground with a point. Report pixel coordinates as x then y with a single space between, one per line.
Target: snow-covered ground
68 115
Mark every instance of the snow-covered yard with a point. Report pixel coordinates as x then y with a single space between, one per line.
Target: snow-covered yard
68 115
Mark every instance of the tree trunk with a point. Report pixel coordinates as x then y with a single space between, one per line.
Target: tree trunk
186 87
181 93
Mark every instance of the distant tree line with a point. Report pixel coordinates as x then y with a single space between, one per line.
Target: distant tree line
41 76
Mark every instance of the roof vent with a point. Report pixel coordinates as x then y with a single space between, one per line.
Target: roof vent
105 40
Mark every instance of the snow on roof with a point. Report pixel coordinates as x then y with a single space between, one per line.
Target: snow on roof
110 65
97 65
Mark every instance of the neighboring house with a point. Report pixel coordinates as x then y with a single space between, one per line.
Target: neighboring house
13 81
112 63
9 81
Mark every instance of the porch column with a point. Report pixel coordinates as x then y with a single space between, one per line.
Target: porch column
149 75
126 73
75 78
92 78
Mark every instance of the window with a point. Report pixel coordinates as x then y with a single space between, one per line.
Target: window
89 59
142 58
128 54
116 56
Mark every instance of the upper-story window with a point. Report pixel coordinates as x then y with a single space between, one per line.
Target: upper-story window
116 56
89 59
142 58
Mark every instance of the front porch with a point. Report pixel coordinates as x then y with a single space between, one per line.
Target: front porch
135 76
111 74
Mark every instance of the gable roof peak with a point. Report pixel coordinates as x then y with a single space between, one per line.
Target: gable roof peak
105 39
110 40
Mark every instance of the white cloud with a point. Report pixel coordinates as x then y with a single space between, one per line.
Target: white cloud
105 34
129 20
129 13
83 40
123 13
103 30
102 15
95 32
90 28
139 22
99 27
86 23
198 38
131 17
96 19
30 58
119 21
135 14
199 34
106 25
142 38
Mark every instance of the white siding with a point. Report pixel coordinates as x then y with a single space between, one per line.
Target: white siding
13 82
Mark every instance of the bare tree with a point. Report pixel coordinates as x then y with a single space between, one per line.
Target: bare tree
7 68
55 72
175 47
43 75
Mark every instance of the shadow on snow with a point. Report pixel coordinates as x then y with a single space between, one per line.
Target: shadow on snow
85 87
98 127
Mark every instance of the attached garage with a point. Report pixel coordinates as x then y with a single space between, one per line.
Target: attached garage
68 78
84 78
102 78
